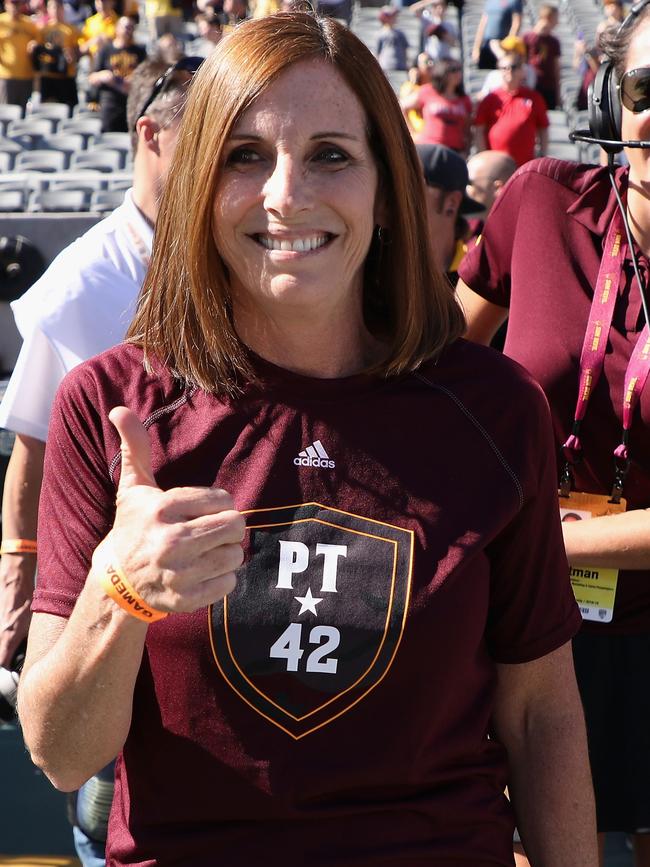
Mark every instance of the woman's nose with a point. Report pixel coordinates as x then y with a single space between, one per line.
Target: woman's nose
286 190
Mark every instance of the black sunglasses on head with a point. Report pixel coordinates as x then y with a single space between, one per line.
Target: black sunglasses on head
635 89
185 64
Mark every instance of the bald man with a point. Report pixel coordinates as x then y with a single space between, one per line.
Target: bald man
488 172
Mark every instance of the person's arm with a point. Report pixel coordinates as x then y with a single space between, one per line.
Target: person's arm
542 136
612 541
483 318
478 39
557 74
480 137
515 24
179 549
19 519
538 717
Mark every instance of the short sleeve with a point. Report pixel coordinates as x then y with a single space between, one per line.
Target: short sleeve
486 268
532 607
25 408
77 503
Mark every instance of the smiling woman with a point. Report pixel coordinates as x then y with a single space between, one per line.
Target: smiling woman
294 569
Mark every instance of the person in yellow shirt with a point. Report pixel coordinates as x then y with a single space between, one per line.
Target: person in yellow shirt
55 61
163 17
99 29
18 37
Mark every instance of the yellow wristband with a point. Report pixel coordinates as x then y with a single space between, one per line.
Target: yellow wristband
117 586
18 546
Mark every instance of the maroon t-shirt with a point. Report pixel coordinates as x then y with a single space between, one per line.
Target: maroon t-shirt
402 538
543 51
539 255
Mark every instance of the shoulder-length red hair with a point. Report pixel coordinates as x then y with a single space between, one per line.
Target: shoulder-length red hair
184 315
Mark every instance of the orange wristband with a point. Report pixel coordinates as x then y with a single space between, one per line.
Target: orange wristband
18 546
117 586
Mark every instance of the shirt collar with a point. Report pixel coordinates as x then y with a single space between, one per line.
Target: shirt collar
594 208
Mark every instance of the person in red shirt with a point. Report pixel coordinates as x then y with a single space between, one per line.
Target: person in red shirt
544 55
512 118
299 564
446 110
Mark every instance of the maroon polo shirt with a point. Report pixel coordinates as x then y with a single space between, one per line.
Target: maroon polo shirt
543 51
511 121
539 255
402 539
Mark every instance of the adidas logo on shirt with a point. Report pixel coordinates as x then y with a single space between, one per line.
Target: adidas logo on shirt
314 456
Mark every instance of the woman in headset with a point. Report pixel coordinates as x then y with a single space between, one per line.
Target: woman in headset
556 257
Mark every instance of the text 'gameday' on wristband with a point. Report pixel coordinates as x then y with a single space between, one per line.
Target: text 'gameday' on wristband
18 546
116 585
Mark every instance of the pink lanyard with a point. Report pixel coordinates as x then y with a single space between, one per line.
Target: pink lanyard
592 360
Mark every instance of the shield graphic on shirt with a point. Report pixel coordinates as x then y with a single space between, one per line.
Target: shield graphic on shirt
317 616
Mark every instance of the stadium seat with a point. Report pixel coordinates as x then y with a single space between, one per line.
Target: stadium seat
89 127
30 131
53 110
120 183
106 200
88 184
11 148
11 200
40 161
102 161
58 200
6 161
68 143
8 113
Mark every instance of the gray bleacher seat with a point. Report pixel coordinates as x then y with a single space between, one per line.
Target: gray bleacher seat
90 127
10 148
12 200
106 200
68 143
88 184
9 112
6 161
99 160
81 110
40 161
58 200
29 132
120 183
124 154
53 110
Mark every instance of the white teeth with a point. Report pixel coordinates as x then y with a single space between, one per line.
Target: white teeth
297 245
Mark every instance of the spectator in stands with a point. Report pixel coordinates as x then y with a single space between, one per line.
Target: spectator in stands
210 32
169 49
114 66
418 75
512 118
446 110
488 172
163 16
494 79
392 45
544 54
81 306
99 28
438 36
262 8
37 11
18 37
614 13
55 61
234 11
446 178
500 18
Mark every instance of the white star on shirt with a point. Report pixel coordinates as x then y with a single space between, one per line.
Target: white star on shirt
307 602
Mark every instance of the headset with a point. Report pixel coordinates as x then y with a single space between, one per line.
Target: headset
604 103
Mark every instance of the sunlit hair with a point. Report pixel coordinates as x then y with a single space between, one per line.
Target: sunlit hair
184 317
615 41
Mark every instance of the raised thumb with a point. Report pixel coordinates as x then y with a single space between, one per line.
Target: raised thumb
135 448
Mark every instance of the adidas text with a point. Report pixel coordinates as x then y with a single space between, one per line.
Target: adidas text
313 462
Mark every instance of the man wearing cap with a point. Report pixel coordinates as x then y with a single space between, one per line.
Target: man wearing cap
446 177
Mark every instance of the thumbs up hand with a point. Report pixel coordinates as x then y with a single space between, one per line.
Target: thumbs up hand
178 548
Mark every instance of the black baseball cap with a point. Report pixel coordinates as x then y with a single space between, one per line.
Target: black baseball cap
447 170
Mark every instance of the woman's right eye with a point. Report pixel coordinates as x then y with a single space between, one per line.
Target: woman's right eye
242 156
